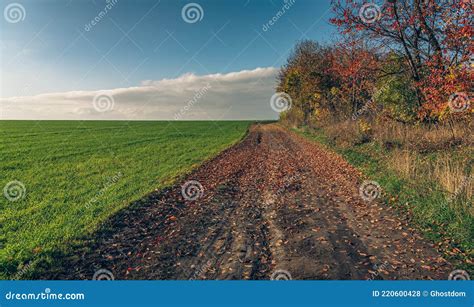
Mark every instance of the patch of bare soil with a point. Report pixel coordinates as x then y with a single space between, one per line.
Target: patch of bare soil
275 201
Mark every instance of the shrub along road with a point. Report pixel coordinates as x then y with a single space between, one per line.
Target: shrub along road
275 201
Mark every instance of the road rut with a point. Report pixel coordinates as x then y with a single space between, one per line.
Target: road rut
276 203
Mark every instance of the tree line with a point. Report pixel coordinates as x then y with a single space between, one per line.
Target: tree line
408 60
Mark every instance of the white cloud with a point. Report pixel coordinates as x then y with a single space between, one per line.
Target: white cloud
238 95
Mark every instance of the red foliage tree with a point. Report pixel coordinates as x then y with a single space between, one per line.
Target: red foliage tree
433 36
354 65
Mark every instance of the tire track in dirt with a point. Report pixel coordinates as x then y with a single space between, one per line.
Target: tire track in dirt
273 201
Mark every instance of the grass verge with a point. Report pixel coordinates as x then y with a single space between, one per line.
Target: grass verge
449 225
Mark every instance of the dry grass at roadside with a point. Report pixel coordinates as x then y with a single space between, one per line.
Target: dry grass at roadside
440 153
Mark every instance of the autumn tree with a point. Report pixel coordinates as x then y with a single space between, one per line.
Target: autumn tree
355 67
328 83
305 78
432 36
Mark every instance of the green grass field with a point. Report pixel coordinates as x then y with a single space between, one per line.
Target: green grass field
77 174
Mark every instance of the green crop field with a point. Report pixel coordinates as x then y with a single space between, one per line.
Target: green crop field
61 179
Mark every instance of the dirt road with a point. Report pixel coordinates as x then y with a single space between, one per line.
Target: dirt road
275 203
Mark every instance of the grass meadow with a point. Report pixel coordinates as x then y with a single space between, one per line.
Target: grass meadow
62 179
433 185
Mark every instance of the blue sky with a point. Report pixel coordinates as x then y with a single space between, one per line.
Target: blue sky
52 50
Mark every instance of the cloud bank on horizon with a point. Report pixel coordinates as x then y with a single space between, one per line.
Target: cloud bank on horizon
244 94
